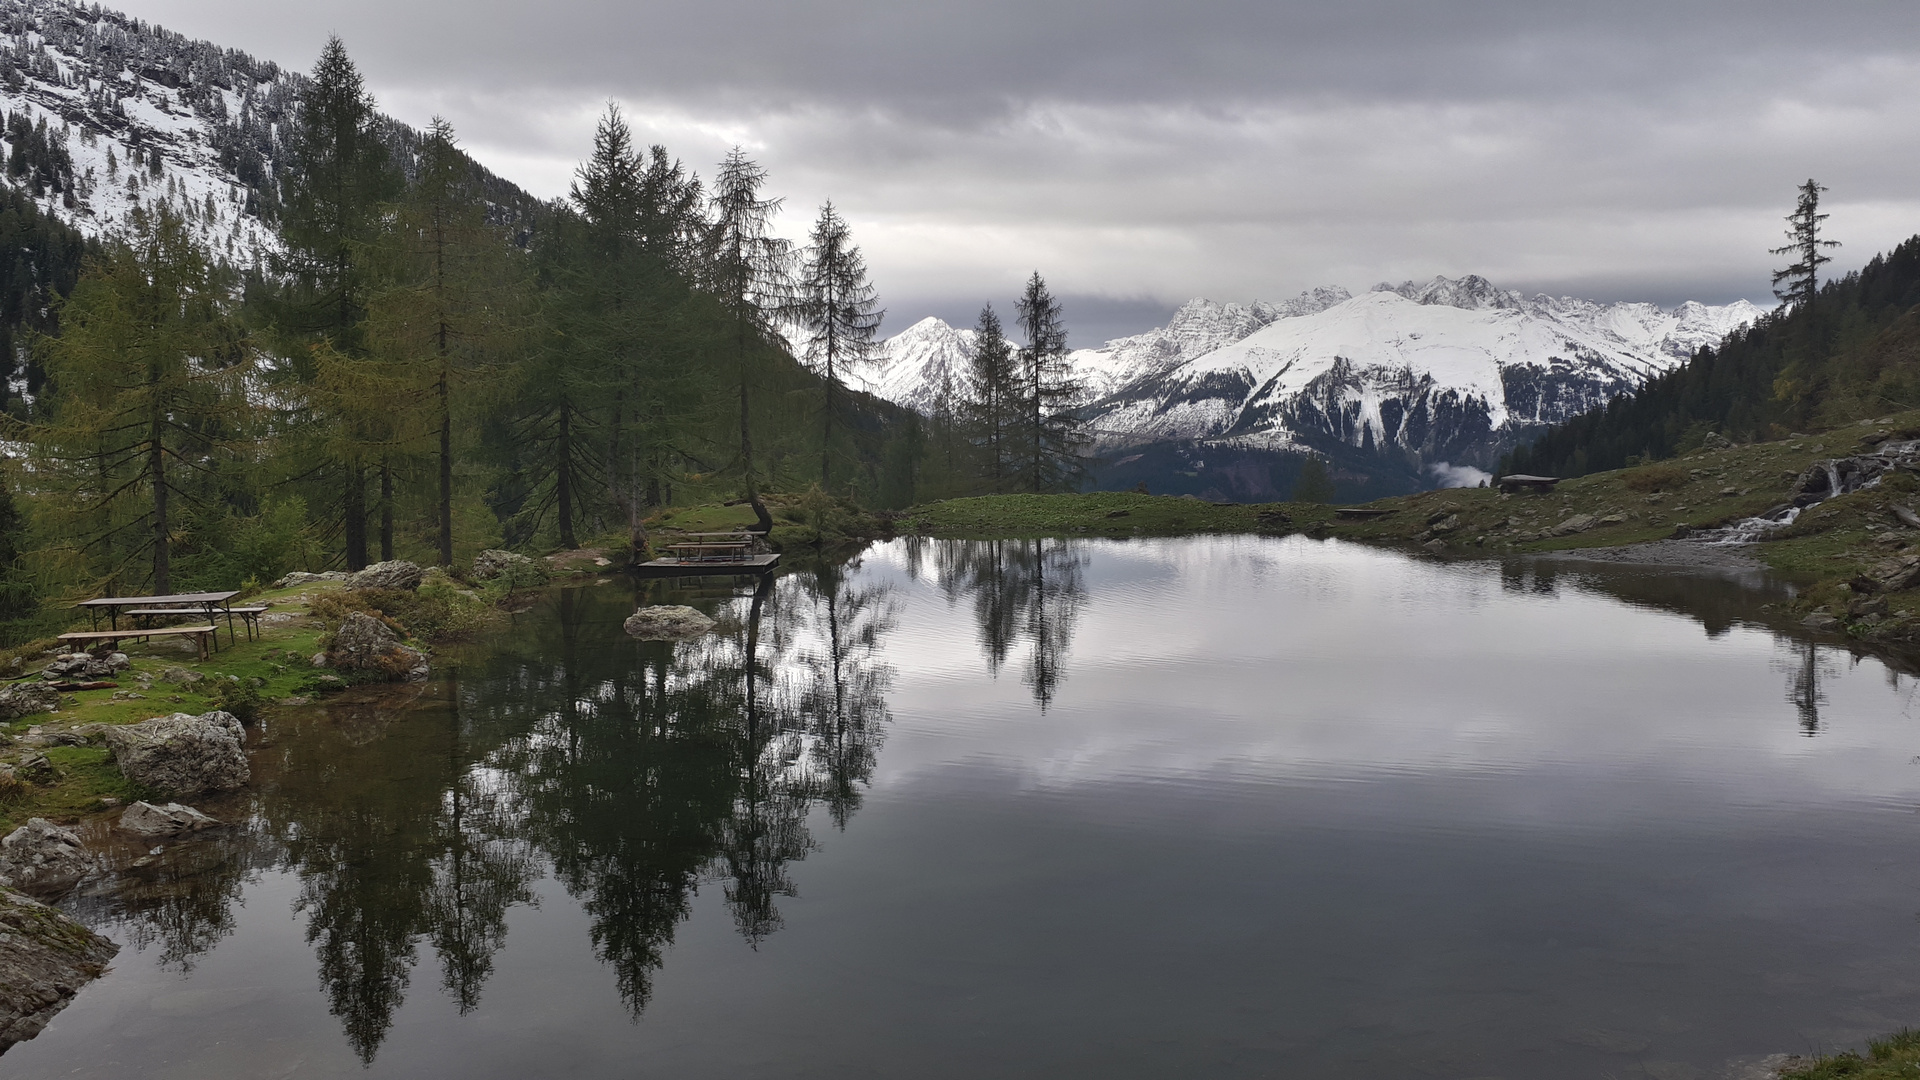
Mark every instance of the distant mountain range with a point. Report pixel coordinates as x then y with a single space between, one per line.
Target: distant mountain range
1399 387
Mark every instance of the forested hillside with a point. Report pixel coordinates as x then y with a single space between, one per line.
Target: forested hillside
1852 352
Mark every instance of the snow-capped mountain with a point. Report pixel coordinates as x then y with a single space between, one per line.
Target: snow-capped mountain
1407 376
106 114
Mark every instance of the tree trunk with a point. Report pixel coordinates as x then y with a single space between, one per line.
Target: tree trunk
760 514
157 466
563 479
356 511
446 474
386 510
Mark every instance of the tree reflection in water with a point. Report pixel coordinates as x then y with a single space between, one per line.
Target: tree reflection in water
1031 589
636 771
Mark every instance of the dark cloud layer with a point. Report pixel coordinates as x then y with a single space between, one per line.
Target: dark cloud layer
1150 151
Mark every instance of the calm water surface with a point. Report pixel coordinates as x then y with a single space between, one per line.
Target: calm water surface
1218 807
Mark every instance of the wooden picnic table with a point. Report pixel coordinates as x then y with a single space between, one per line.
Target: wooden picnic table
712 550
210 604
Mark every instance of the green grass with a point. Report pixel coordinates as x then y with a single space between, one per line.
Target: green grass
1897 1055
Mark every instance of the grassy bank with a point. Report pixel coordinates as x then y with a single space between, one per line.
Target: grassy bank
167 676
1896 1056
1106 513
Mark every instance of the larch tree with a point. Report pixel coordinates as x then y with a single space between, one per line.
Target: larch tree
1051 432
749 271
145 389
341 178
444 314
993 395
836 306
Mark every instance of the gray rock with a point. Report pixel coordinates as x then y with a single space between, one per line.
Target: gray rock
1446 524
182 755
167 819
1435 545
1822 622
397 574
45 958
42 856
180 676
364 643
85 666
667 622
301 577
35 768
1578 523
520 570
25 698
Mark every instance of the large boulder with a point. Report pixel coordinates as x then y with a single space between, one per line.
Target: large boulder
45 958
395 574
667 622
182 754
364 643
42 856
26 698
518 568
167 819
85 666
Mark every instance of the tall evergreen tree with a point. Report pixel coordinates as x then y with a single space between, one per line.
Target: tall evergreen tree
1051 435
341 177
993 396
441 318
837 307
1802 278
146 388
749 271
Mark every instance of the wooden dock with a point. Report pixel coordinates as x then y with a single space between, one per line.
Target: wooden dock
672 567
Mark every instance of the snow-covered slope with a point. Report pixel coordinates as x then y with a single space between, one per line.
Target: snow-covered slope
119 114
1453 370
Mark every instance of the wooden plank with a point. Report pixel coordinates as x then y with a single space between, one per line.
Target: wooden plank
175 598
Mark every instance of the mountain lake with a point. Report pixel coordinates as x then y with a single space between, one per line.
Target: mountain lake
1212 806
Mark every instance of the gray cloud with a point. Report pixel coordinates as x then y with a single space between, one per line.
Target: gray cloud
1141 152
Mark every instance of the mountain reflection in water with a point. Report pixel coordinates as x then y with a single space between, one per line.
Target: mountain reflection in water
563 765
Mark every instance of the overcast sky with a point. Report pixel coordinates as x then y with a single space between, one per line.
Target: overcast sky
1140 152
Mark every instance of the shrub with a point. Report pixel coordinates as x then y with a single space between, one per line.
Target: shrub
1655 477
241 698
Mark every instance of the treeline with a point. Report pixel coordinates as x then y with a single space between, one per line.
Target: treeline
414 378
1843 351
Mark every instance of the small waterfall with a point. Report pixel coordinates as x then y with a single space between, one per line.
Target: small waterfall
1822 481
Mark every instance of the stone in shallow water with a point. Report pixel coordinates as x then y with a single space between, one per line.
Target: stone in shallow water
667 622
167 819
45 958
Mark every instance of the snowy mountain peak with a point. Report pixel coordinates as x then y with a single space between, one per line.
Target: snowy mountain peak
1469 293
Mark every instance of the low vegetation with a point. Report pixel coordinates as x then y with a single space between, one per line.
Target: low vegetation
1107 513
1897 1055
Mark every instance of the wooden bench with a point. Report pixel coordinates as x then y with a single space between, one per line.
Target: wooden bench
198 633
721 551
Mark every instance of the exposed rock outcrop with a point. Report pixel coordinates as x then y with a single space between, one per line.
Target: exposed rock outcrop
26 698
301 577
45 958
41 856
396 574
182 754
167 819
364 643
667 622
85 666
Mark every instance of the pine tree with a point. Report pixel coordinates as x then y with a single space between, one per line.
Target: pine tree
1051 435
145 388
748 270
1313 485
836 306
342 176
1802 278
992 408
